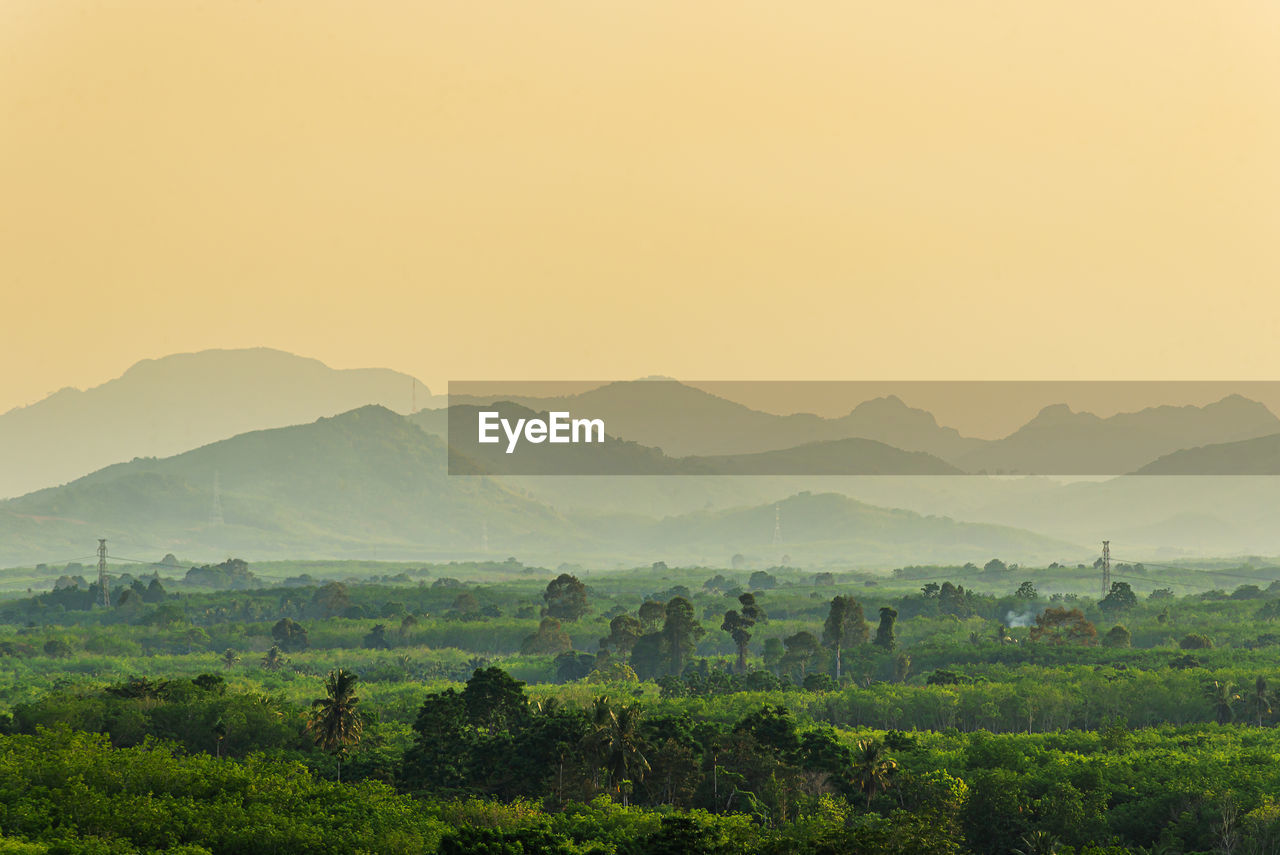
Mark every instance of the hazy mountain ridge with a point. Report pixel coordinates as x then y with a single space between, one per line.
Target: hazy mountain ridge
369 482
1258 456
683 421
162 407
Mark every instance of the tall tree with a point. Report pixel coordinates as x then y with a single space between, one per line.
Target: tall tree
335 722
274 660
873 769
844 626
651 614
614 742
680 633
739 623
229 659
885 636
566 598
800 650
624 632
1260 699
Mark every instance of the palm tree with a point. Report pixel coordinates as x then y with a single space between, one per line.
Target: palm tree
1223 698
229 659
274 660
873 769
614 739
1038 843
335 722
1260 699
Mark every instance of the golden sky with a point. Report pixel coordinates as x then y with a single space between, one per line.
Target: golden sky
738 189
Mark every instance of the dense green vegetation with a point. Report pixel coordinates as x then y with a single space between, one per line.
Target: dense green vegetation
504 708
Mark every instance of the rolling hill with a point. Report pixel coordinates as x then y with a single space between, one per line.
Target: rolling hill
166 406
369 483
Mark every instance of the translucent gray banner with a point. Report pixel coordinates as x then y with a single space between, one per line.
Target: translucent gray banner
666 427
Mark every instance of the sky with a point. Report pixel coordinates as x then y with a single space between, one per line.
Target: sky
985 190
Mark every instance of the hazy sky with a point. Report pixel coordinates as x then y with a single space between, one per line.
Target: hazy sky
885 190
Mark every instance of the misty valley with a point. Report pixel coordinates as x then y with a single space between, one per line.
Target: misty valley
313 622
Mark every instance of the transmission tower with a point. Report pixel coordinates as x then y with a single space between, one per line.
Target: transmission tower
103 588
1106 567
777 524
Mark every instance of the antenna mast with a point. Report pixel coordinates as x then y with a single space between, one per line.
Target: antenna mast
104 590
1106 567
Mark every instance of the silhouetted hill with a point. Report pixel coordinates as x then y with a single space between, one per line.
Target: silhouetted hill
814 522
834 457
369 483
361 481
684 421
1059 441
165 406
1259 456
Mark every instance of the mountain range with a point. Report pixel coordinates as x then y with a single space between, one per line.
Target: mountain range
161 407
370 483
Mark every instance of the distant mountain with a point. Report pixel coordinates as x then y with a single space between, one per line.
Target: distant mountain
362 483
834 457
831 524
1259 456
369 483
1159 515
165 406
1059 441
616 456
684 421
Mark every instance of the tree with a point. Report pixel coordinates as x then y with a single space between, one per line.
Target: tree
376 639
680 633
844 626
738 624
1223 698
614 742
954 600
1121 598
274 660
1026 591
550 637
57 648
624 632
885 637
1059 626
566 598
762 580
332 598
651 614
995 565
1260 699
494 700
229 659
873 770
800 650
290 636
335 721
1195 641
1117 637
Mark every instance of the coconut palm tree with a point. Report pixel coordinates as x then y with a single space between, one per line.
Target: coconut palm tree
1223 698
873 769
614 741
335 721
1260 699
274 660
229 659
1038 843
